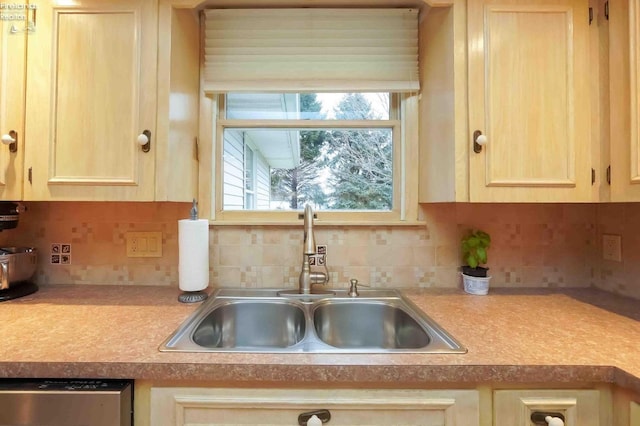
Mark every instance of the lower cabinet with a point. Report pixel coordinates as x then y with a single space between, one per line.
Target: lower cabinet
178 406
577 407
634 416
626 407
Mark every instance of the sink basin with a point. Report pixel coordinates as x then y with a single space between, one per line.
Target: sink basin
347 324
378 321
249 324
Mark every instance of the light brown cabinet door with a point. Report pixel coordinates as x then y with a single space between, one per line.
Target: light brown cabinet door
13 34
624 86
202 406
91 90
515 407
634 416
529 95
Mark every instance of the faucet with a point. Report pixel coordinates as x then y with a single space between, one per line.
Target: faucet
308 277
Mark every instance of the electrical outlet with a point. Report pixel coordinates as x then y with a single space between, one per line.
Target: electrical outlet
144 244
612 247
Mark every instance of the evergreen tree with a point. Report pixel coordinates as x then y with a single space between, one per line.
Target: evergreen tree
300 184
360 160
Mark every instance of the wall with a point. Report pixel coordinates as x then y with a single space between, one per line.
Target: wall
620 277
550 245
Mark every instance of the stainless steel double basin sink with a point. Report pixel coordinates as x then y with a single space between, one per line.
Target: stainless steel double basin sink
377 321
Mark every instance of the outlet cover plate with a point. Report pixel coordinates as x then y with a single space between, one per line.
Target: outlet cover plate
144 244
612 247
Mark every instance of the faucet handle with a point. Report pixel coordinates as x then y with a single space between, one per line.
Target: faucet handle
353 287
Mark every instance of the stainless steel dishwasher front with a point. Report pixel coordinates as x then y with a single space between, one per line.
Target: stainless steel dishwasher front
52 402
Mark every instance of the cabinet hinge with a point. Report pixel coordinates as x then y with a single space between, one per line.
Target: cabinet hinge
609 175
29 175
606 10
590 15
593 176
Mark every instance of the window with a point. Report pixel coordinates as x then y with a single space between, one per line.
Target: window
278 145
334 151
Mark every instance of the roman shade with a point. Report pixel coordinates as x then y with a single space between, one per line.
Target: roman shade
311 50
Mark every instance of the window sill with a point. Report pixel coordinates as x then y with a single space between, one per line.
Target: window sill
317 222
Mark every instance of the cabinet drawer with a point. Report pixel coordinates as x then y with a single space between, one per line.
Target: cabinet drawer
579 407
208 406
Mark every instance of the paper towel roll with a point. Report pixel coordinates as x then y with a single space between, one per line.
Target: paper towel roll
193 254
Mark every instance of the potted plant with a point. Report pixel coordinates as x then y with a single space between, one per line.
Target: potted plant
475 245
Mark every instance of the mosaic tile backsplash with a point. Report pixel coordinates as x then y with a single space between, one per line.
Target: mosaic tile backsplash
533 245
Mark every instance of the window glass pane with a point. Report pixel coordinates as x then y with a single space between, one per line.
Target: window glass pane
331 168
307 106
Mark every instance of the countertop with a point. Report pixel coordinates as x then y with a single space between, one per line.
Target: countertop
512 335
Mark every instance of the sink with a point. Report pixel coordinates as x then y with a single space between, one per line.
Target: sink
241 320
251 324
371 324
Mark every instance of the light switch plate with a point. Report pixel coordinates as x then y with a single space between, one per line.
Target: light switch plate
144 244
612 247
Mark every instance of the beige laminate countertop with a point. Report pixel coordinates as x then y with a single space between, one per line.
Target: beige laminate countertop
512 336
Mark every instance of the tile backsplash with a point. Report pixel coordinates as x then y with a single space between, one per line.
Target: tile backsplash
548 245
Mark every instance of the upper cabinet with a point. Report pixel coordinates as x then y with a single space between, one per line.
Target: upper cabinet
529 98
527 81
624 86
13 35
91 92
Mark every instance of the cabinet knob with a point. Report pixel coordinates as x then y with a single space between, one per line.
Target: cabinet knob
554 421
314 421
547 419
479 140
11 139
144 140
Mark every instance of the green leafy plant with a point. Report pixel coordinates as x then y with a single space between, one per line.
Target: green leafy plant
474 248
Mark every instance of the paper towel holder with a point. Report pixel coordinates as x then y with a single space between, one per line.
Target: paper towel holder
199 295
192 296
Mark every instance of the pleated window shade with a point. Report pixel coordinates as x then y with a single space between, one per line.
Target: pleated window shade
311 50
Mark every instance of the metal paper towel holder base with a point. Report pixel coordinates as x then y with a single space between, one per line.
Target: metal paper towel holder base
192 296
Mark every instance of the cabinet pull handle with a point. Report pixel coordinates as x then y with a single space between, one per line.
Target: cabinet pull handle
11 139
479 140
144 140
323 415
543 418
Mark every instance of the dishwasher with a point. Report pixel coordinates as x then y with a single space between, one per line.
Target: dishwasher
53 402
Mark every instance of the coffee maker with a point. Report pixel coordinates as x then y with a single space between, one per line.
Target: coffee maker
17 264
9 214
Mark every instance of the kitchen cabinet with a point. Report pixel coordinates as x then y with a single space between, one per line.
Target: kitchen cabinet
91 85
523 87
13 38
626 407
624 89
182 406
529 97
579 407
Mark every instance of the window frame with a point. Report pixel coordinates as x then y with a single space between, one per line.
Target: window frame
404 122
249 175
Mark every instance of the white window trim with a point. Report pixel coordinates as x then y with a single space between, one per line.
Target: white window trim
248 147
405 155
